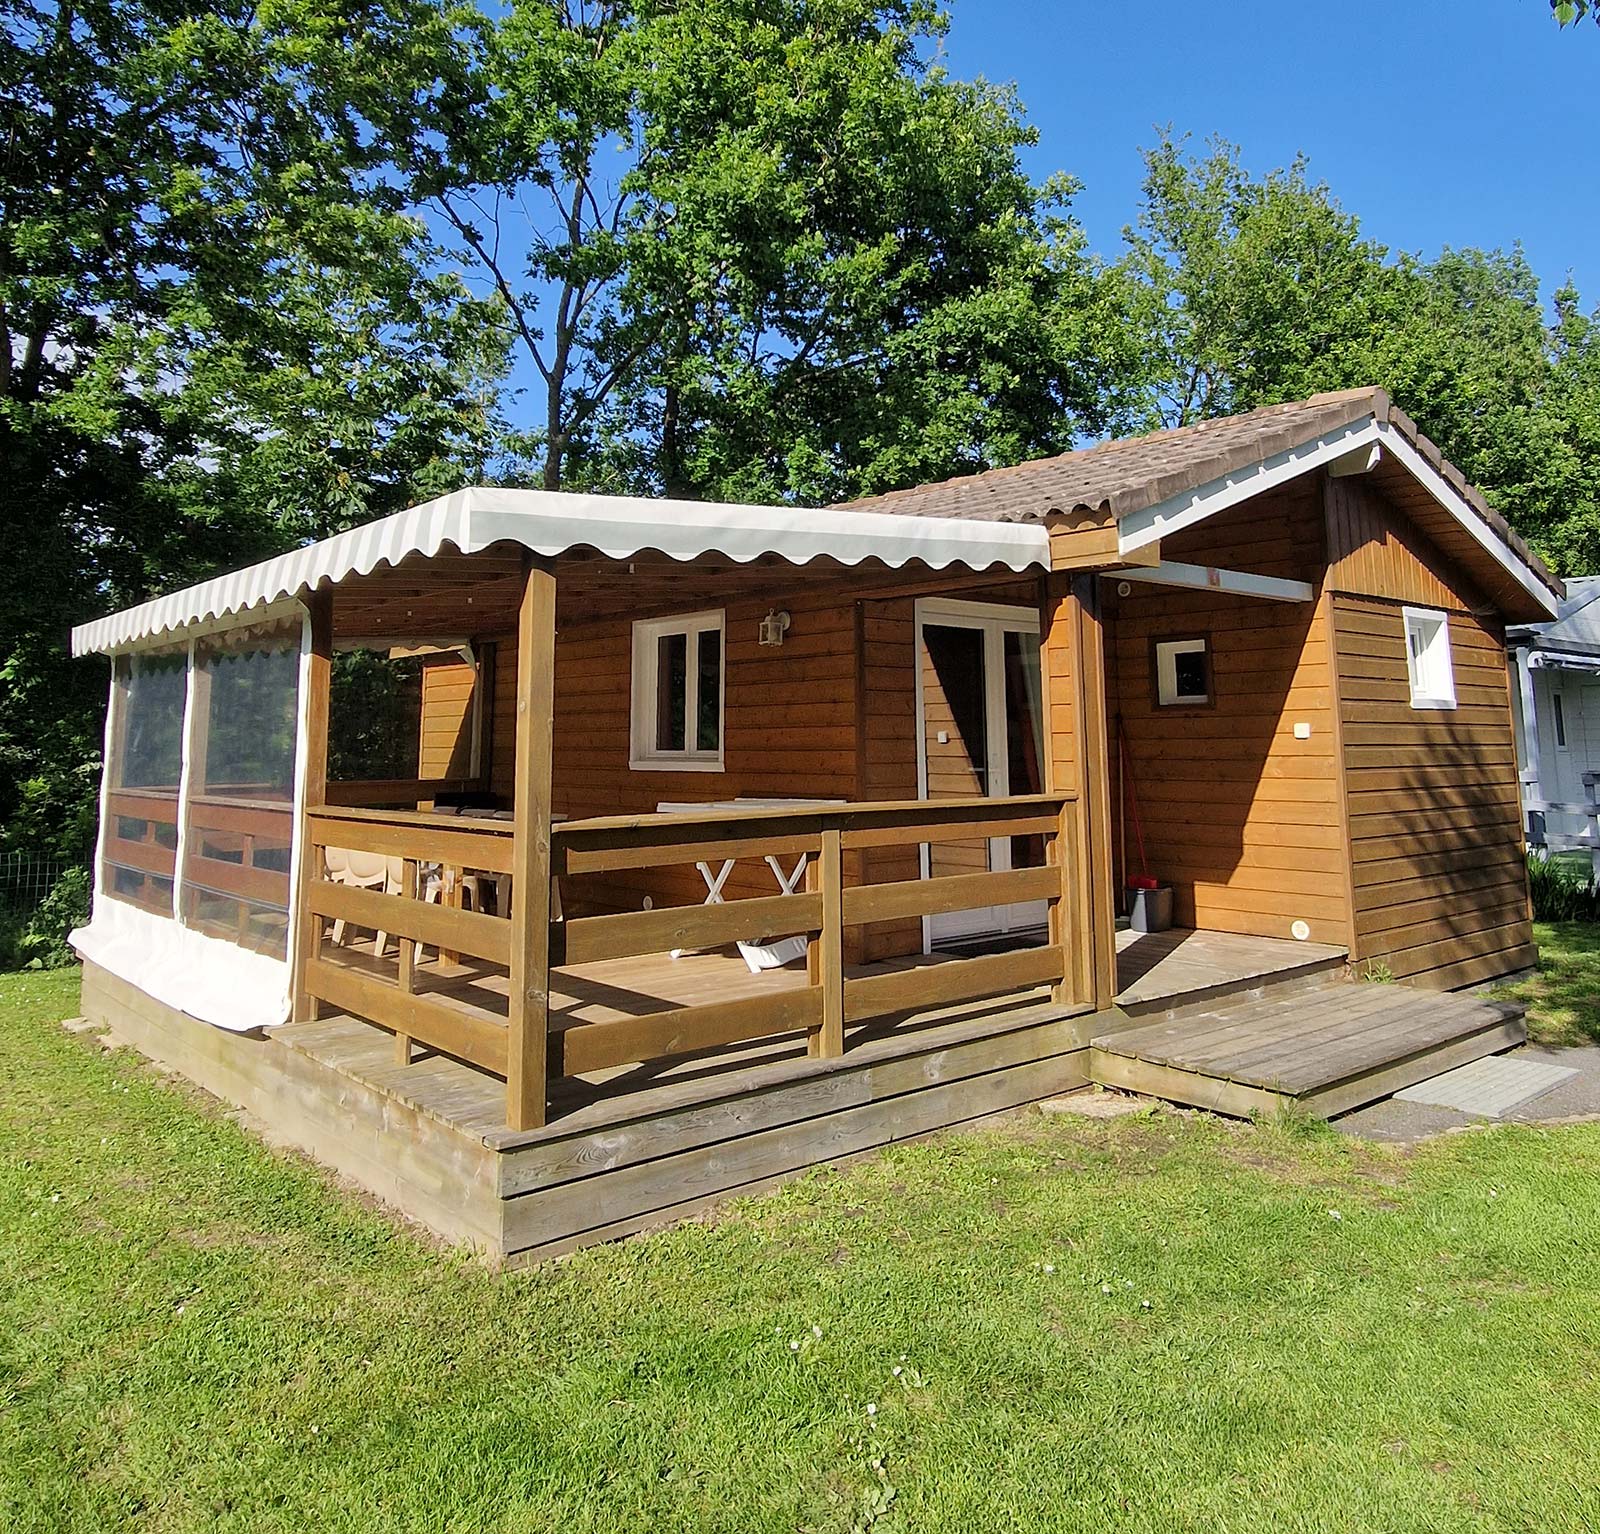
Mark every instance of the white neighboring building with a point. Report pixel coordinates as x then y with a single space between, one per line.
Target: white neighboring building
1555 684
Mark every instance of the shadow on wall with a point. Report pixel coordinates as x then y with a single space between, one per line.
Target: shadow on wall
1219 794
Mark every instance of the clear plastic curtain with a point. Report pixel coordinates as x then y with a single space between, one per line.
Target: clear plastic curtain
239 835
142 776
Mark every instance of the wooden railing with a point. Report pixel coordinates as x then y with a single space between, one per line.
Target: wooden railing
830 999
141 844
237 850
1587 809
414 838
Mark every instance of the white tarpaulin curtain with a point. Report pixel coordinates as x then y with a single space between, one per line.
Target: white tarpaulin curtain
219 754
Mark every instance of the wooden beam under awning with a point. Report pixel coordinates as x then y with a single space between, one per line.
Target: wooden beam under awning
1237 583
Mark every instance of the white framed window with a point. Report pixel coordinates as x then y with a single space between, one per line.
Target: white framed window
1183 673
1433 681
677 694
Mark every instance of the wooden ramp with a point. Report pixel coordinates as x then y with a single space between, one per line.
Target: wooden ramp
1326 1050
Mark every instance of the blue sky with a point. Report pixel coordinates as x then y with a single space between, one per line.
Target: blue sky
1438 122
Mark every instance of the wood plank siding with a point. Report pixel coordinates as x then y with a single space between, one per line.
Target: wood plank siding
1243 818
448 716
1435 823
789 729
888 718
830 714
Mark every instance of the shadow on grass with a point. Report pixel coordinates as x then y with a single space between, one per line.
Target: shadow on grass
1563 998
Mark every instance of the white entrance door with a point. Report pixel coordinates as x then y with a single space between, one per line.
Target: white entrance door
979 732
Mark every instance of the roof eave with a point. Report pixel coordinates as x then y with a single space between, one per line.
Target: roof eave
551 523
1146 523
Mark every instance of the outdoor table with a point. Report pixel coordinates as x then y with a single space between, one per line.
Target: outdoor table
758 956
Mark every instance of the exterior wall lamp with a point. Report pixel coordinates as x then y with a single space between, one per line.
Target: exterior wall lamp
773 627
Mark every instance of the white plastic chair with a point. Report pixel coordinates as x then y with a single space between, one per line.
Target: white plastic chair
360 870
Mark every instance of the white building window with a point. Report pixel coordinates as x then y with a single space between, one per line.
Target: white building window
677 693
1183 673
1433 683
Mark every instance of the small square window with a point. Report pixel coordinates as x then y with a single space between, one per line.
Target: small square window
1183 673
1433 683
677 693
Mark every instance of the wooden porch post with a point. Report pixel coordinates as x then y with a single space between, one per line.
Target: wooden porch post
528 1017
1078 762
825 957
306 928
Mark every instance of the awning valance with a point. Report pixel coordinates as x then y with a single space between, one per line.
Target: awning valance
549 523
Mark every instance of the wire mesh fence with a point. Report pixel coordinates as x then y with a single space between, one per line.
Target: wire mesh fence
26 878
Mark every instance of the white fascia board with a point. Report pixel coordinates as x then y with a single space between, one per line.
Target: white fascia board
1271 588
1173 515
549 523
1450 499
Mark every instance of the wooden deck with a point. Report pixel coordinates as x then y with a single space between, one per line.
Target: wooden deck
1233 1024
628 1149
616 992
1155 972
1325 1050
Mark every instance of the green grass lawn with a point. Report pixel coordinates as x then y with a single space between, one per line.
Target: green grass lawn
1156 1323
1563 999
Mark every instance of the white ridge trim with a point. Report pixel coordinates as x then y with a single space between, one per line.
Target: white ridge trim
1450 499
1176 513
1335 448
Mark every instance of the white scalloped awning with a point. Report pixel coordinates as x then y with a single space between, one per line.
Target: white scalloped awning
551 522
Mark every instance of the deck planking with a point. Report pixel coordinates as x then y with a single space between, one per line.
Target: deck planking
1157 970
639 1145
1326 1050
1154 971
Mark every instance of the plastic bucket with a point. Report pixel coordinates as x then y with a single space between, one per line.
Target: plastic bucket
1150 909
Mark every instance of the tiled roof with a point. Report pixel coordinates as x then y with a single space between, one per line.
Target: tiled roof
1133 473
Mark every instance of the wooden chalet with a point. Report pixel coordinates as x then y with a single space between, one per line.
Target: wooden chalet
704 843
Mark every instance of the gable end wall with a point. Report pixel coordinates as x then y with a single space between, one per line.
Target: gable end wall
1439 883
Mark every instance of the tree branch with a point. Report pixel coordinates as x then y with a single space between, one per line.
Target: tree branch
470 234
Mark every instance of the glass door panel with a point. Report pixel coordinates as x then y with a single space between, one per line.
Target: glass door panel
955 743
982 734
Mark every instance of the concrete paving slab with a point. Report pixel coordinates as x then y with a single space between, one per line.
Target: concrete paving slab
1576 1097
1490 1088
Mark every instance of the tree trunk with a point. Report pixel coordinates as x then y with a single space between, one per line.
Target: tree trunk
672 478
555 414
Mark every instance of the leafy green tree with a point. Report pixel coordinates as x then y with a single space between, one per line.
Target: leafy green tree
1249 292
1245 292
221 329
1562 498
762 247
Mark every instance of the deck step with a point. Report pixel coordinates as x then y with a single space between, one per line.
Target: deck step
1325 1049
1175 986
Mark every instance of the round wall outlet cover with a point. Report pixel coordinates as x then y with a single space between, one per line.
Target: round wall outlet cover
1301 931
